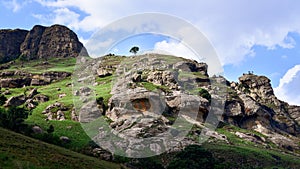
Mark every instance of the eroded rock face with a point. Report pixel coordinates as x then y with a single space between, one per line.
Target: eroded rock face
10 41
49 42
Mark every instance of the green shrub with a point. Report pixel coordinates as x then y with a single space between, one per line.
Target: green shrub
192 157
13 118
204 93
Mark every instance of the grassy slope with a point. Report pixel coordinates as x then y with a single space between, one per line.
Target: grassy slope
18 151
239 151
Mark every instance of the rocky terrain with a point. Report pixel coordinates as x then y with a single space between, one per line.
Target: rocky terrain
38 43
156 90
142 105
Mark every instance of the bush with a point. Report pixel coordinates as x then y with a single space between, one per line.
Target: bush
204 93
2 99
13 118
192 157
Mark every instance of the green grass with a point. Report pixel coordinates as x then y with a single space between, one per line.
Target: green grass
37 66
18 151
243 156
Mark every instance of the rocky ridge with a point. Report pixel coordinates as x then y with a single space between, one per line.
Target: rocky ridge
39 43
150 92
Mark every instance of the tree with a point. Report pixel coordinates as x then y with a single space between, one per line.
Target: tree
134 50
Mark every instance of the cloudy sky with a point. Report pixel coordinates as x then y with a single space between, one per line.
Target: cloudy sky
248 35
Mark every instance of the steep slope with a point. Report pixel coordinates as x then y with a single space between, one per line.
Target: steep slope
18 151
39 43
10 42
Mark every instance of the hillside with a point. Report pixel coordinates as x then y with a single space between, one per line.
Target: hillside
19 151
138 106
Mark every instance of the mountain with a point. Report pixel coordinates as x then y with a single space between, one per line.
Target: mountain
39 43
164 98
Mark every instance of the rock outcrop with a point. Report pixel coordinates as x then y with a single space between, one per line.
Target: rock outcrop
10 42
47 42
39 43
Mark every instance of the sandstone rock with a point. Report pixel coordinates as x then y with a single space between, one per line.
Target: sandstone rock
30 104
10 41
32 93
89 112
15 82
51 114
192 66
74 116
104 71
102 154
48 42
41 98
65 139
62 95
15 101
60 115
37 130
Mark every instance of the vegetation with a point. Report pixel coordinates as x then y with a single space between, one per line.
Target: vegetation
134 50
13 118
19 151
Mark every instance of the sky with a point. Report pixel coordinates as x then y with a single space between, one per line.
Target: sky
247 35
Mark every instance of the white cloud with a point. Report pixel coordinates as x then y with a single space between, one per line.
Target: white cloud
288 89
233 27
176 49
62 16
13 4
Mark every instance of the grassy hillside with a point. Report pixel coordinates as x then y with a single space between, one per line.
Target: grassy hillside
18 151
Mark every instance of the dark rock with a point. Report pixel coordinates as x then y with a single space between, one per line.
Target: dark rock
15 82
41 98
32 93
65 139
10 41
37 130
49 42
15 101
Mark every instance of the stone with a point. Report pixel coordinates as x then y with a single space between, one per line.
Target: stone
89 112
15 82
102 154
74 116
32 93
65 139
15 101
60 115
62 95
41 98
37 130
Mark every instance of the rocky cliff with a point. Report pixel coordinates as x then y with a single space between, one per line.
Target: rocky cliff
151 92
10 42
40 42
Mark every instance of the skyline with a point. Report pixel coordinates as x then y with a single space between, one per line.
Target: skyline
254 36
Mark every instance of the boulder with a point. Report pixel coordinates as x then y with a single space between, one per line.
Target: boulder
65 139
32 93
37 130
41 98
15 82
15 101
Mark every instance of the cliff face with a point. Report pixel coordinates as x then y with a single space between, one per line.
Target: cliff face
155 90
40 42
10 41
47 42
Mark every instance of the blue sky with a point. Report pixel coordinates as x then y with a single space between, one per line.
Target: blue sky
259 36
